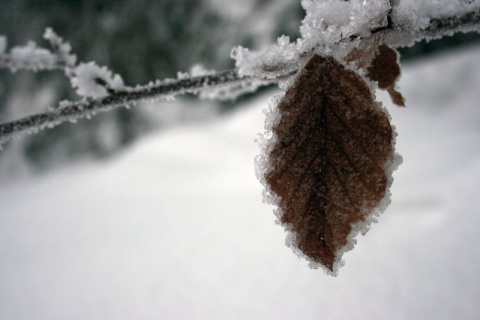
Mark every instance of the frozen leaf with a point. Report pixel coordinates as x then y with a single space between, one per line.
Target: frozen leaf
380 65
329 165
385 70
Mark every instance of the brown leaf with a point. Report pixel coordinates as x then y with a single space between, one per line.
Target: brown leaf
329 160
385 69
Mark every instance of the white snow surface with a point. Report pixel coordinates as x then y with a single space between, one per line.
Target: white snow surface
175 227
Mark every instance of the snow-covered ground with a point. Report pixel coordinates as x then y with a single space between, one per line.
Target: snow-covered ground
175 228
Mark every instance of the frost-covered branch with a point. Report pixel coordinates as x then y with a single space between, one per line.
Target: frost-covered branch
468 22
71 111
334 28
330 28
32 58
102 90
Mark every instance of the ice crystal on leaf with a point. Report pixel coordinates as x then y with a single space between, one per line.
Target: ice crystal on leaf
328 151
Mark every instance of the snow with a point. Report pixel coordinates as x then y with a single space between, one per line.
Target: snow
175 228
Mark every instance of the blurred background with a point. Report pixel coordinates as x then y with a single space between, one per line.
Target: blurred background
141 40
172 225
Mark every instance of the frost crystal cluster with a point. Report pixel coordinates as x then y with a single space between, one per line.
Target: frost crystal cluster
333 28
90 80
325 24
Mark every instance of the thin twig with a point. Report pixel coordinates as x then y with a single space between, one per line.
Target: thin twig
74 110
470 21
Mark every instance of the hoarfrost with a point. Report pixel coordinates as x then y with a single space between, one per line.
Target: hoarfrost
30 57
233 90
279 60
90 80
434 9
199 70
182 75
61 48
328 23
